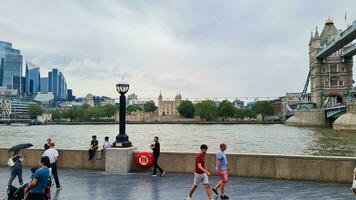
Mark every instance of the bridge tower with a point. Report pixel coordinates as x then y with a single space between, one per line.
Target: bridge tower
332 76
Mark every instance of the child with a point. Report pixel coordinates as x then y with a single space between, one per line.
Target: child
353 188
106 146
33 170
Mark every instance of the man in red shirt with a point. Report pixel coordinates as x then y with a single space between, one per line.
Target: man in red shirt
201 174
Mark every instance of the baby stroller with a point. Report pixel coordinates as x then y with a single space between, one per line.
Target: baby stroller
14 193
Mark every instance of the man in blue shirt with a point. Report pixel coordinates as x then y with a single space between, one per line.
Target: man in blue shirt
222 171
36 188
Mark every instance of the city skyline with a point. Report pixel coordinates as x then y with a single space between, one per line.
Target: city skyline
228 49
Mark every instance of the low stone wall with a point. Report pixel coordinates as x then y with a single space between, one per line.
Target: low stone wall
75 159
312 168
308 117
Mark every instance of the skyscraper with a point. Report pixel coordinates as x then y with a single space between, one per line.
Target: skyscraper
33 84
10 66
57 84
44 85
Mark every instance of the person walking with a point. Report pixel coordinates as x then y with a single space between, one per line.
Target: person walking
106 146
16 168
201 174
94 145
52 154
36 188
46 146
156 148
222 171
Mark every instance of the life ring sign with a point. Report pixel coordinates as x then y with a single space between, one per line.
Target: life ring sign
144 160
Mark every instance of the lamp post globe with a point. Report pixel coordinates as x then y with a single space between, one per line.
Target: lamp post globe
122 140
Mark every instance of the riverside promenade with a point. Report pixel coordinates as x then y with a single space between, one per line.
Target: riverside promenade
98 185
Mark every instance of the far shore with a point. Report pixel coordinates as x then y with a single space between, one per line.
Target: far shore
163 122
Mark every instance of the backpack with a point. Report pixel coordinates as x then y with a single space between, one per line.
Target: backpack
10 162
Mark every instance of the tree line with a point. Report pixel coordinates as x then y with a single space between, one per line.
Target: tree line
206 110
209 110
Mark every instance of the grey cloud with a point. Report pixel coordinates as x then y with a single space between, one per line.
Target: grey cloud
202 48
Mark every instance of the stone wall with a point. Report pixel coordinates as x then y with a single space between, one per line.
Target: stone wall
308 117
75 159
312 168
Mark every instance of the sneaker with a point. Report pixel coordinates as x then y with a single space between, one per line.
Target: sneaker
153 175
163 173
188 198
216 192
224 197
59 188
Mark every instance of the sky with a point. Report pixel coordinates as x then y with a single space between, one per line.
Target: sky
202 48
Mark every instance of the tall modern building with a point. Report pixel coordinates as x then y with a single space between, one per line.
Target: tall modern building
70 95
57 84
10 66
44 85
33 78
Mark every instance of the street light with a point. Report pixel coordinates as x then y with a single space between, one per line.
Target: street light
122 140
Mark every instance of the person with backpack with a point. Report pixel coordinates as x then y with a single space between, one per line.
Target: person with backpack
15 162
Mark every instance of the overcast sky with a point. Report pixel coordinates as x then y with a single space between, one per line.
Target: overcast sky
199 47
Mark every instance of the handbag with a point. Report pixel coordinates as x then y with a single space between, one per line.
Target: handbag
10 162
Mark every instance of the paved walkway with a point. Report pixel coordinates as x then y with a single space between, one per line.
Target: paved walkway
79 184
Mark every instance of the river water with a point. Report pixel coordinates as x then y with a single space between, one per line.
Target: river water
274 139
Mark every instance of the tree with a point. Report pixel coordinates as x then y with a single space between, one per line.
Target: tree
186 109
243 113
133 108
207 110
226 109
149 106
240 114
56 114
264 108
34 110
110 110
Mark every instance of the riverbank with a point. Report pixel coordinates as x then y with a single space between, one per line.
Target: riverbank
164 122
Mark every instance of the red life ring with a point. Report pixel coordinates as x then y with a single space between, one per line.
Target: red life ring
144 160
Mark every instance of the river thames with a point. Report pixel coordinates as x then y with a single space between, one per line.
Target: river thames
271 139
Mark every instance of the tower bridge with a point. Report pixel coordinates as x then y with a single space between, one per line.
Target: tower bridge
330 75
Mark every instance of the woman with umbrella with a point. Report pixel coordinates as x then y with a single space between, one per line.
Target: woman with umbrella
16 164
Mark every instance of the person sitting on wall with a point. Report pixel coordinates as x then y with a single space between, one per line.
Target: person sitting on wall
106 146
94 145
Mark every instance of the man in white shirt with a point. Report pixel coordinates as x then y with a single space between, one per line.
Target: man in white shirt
52 154
106 146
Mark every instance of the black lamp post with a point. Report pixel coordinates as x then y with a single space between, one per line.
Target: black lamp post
122 140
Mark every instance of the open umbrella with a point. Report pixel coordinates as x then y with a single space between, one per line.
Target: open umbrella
19 147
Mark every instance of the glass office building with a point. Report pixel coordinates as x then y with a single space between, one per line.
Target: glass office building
44 85
33 78
10 66
57 84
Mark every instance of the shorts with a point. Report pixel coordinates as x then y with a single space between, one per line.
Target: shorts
200 178
223 174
